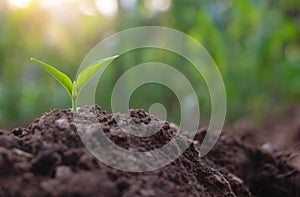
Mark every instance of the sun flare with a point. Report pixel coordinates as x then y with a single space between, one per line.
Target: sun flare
18 3
108 8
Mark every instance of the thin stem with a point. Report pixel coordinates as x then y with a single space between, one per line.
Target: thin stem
74 103
74 97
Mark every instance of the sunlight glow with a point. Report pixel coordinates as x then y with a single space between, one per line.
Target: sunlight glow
66 11
18 4
157 5
69 7
63 11
51 4
108 8
87 8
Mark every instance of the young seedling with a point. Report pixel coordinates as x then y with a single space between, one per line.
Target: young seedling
74 88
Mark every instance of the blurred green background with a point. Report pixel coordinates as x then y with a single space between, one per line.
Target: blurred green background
256 45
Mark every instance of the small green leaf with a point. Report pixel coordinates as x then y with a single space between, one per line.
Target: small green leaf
89 72
63 79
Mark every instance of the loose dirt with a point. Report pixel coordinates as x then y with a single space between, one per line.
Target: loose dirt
49 159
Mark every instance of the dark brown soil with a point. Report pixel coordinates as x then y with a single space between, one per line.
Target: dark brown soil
49 159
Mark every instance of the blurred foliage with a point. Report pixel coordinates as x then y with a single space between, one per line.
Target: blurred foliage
256 45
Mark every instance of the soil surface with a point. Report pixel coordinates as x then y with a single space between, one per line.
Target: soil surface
49 159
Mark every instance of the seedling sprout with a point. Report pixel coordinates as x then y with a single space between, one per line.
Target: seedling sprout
74 88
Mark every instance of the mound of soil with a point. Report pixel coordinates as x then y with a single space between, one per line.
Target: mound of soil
49 159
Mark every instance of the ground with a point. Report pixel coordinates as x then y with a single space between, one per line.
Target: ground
49 159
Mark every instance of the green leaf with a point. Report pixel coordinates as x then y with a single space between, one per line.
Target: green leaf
89 72
62 78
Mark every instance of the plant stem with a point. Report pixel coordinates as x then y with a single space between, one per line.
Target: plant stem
74 97
74 103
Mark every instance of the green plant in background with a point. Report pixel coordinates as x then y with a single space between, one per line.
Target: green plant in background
74 88
254 43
